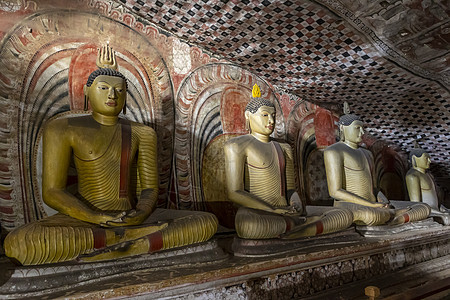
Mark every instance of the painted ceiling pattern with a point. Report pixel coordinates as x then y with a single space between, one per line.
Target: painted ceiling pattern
389 59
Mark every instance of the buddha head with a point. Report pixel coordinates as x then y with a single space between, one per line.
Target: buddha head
106 89
351 128
260 116
420 159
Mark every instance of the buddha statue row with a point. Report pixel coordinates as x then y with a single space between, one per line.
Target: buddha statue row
113 214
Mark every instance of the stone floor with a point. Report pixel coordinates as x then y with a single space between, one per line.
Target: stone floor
405 265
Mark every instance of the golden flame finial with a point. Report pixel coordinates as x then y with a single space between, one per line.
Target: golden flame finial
106 58
256 92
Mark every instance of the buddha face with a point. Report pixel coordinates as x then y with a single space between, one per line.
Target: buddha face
353 133
422 161
262 121
107 95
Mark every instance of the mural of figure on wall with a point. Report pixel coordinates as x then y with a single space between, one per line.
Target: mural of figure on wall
117 166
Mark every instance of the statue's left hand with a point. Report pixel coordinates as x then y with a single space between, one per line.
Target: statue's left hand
381 198
128 218
296 203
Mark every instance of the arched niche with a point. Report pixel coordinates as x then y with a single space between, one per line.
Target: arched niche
46 59
390 167
209 111
311 129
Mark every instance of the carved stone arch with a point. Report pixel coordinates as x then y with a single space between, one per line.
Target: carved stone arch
211 103
45 62
310 130
390 167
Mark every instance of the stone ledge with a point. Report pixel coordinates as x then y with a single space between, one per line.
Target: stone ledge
289 275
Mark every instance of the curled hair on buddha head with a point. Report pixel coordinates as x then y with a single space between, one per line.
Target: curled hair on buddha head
416 151
106 72
346 119
255 104
257 101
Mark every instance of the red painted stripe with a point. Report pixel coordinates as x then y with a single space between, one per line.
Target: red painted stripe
156 241
289 223
406 216
5 195
6 210
99 238
319 227
125 161
282 166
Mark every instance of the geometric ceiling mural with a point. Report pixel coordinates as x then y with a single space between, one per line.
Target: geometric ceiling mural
389 59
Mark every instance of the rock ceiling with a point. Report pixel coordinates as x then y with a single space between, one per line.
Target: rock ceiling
389 59
281 39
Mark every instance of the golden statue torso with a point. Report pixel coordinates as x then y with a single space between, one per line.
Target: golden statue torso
261 170
357 176
264 170
356 172
102 192
97 152
425 191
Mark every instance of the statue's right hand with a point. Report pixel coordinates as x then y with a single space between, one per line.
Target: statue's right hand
380 205
285 210
106 218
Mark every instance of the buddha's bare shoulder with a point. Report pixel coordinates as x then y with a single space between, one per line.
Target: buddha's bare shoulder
239 143
284 146
336 147
143 129
413 173
68 124
282 143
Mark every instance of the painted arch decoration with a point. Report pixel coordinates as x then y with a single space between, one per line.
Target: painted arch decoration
210 105
45 61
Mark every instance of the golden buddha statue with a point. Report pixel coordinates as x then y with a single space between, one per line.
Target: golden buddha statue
260 179
116 162
350 182
421 186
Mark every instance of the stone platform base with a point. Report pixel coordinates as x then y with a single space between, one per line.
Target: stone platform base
328 269
270 247
387 230
19 282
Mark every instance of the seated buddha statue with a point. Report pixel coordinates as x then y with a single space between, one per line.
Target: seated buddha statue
349 178
260 180
113 213
421 186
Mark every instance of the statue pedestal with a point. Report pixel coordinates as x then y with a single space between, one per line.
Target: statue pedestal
327 269
18 282
270 247
388 230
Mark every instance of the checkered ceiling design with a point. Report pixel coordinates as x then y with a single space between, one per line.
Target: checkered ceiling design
305 49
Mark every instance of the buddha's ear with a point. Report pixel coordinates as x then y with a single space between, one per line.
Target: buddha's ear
413 161
86 105
341 132
247 121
